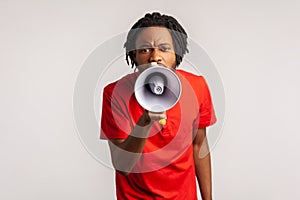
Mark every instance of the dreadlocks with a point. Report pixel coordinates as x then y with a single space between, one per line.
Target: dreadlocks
177 32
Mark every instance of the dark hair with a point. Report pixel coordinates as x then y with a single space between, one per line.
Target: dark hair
177 32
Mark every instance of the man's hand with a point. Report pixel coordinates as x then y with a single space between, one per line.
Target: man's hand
157 116
122 149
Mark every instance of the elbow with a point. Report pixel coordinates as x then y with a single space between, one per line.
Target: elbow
122 173
122 169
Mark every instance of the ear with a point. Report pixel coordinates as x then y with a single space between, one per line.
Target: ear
134 53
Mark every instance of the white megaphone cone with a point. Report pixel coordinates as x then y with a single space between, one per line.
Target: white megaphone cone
157 89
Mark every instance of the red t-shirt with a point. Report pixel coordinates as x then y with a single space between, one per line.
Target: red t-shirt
166 168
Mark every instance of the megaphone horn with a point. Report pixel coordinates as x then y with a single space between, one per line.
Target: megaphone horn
157 89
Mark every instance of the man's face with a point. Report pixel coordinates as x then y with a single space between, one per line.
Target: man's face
155 44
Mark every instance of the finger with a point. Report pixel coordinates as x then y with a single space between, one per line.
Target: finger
157 116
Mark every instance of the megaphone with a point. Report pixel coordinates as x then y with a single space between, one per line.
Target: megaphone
157 89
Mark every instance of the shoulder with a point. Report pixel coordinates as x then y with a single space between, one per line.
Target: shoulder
126 81
192 78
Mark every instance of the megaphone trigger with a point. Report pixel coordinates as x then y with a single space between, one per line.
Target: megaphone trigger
163 122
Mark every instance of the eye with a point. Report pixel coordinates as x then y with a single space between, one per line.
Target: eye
144 50
164 48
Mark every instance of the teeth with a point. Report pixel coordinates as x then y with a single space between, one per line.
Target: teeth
153 63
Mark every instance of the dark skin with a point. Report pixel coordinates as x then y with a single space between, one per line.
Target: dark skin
155 44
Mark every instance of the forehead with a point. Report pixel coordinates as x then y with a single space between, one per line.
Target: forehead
154 35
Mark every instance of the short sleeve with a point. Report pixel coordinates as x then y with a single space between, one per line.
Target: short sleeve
206 115
114 123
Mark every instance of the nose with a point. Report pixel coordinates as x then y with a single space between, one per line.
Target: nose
155 56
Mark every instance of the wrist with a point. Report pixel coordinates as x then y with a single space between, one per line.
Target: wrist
144 120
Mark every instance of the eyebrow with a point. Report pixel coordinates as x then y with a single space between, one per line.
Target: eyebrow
165 44
143 45
146 44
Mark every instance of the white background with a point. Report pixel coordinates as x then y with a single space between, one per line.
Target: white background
43 44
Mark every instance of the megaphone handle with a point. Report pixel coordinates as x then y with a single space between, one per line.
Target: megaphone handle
160 117
163 122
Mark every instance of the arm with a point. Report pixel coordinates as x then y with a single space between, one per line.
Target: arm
203 164
125 153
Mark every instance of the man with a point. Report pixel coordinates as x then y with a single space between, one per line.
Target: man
155 161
